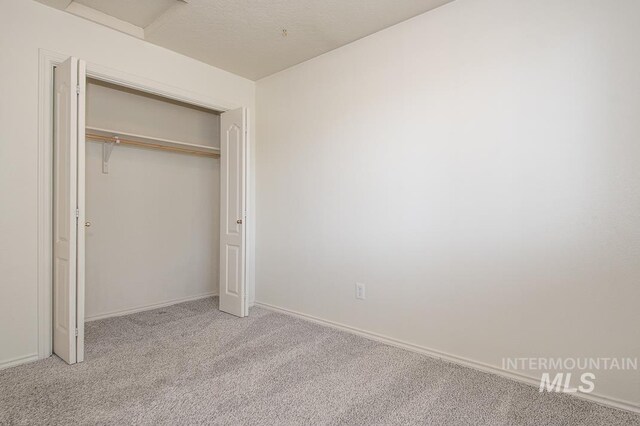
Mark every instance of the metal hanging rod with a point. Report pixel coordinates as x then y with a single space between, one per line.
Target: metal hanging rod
111 138
120 140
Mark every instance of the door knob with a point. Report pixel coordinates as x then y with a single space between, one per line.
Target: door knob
239 221
87 224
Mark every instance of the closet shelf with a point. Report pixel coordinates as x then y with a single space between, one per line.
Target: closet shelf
105 135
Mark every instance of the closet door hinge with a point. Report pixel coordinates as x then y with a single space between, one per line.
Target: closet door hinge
76 332
77 89
77 213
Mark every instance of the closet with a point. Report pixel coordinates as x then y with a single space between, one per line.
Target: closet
152 231
149 203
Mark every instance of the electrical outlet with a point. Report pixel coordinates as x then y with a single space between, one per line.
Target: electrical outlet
360 291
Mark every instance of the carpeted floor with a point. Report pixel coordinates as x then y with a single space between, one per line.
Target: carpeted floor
192 364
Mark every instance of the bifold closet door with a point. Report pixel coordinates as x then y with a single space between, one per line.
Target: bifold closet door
68 195
232 211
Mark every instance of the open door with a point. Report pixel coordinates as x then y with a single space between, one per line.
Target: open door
232 211
68 196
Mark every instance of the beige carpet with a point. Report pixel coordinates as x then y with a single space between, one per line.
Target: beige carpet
192 364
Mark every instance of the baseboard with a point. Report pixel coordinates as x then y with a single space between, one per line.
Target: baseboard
136 309
17 361
485 368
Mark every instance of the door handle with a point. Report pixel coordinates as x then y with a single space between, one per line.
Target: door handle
239 221
87 224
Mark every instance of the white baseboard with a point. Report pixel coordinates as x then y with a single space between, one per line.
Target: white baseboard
136 309
480 366
17 361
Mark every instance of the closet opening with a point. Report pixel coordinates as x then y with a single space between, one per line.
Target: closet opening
152 201
149 204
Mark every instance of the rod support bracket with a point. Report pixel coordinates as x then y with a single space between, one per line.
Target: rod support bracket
107 148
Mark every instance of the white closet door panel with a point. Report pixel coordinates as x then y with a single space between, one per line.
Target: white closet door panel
80 267
68 116
232 211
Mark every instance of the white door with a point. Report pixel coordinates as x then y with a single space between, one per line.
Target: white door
232 211
68 195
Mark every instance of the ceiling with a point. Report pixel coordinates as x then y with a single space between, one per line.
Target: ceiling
248 37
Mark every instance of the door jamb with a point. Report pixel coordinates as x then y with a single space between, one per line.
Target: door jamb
46 63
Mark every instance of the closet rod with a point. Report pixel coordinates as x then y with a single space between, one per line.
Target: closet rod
150 145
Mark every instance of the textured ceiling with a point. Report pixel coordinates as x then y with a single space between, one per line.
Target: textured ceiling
246 38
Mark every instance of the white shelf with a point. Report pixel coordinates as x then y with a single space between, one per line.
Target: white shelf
152 142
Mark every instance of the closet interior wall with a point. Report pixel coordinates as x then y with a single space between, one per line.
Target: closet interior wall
154 218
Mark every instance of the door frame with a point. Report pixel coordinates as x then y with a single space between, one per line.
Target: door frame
48 60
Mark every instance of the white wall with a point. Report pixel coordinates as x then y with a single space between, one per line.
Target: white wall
25 27
113 107
477 168
155 218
